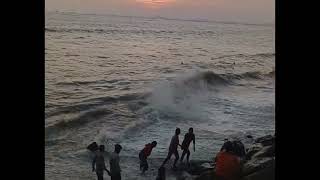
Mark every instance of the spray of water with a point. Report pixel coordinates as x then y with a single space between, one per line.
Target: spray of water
185 96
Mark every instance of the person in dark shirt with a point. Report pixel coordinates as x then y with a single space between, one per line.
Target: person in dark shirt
98 164
173 148
143 155
115 170
188 137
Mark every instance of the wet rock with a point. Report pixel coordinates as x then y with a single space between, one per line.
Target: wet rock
252 150
184 176
263 174
266 140
257 164
208 175
267 151
249 136
198 167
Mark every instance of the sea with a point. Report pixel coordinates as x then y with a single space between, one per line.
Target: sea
133 80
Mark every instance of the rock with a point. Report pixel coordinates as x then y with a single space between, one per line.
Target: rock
208 175
263 174
184 176
257 164
198 167
249 136
267 151
253 149
266 140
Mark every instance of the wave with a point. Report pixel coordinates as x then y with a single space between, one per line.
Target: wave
271 74
180 93
265 55
78 121
252 75
89 82
208 77
129 31
94 103
215 79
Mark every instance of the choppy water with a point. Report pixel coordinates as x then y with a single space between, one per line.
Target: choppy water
132 80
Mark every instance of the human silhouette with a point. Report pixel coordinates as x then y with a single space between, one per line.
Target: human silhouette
143 155
173 148
188 137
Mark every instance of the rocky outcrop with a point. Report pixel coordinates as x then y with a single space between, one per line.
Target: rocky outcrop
259 163
260 160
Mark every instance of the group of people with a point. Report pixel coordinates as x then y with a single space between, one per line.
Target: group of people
227 161
98 163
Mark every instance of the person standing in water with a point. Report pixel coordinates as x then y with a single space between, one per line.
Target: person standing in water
143 155
98 164
115 171
173 148
188 137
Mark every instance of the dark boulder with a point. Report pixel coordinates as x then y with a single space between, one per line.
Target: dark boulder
208 175
252 150
257 164
266 140
198 167
267 151
263 174
249 136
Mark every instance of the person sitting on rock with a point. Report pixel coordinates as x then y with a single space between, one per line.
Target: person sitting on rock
227 164
239 149
143 155
225 141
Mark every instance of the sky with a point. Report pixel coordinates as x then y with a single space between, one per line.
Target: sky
250 11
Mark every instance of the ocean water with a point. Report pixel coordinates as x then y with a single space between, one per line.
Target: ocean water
132 80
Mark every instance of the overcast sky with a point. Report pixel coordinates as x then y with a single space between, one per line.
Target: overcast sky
251 11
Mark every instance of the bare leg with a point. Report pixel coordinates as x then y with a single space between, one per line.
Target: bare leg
176 154
167 158
183 154
188 155
100 176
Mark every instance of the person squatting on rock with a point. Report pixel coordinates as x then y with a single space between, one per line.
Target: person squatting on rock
227 164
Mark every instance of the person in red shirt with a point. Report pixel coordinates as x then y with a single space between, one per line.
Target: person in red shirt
144 153
227 164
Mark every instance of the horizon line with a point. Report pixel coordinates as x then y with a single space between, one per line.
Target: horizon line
165 18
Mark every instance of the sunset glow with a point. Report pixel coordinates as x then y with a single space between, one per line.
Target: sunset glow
155 3
255 11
